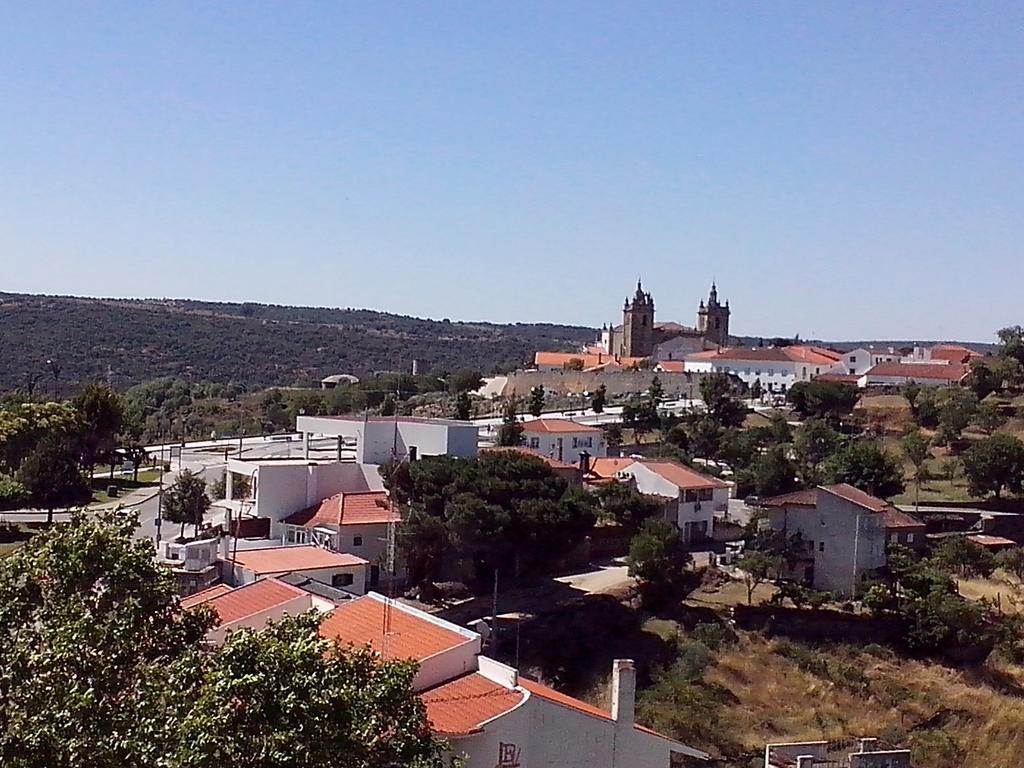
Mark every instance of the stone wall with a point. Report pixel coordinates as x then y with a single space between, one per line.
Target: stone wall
676 385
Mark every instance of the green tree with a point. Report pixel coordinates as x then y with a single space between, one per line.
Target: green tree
536 402
388 406
511 430
963 557
814 442
756 390
598 399
465 380
915 448
136 453
773 473
758 567
958 407
679 437
983 379
24 425
641 416
864 464
185 501
89 623
995 464
625 505
988 418
656 392
720 403
1011 343
705 434
463 406
659 560
613 435
51 476
1012 561
829 400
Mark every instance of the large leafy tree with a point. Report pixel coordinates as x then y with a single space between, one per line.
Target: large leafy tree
598 399
24 425
659 560
720 402
995 464
813 442
99 667
624 504
185 501
866 465
511 430
823 399
536 404
101 415
51 476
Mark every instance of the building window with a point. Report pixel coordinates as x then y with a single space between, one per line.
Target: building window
910 538
357 541
705 494
771 371
535 442
342 580
821 546
893 537
575 442
853 358
589 443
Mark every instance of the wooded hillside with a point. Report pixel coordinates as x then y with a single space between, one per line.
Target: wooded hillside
255 345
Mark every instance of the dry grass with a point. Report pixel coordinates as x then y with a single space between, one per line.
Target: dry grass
1007 593
729 594
951 719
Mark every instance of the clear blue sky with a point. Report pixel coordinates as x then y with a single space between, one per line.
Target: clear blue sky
842 169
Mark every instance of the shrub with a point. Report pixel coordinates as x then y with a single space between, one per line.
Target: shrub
12 493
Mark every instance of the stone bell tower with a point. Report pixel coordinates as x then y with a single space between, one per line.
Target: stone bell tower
638 325
713 319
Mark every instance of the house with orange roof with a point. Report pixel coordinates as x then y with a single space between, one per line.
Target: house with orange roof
491 715
941 374
254 605
338 569
347 522
564 440
776 368
692 498
844 531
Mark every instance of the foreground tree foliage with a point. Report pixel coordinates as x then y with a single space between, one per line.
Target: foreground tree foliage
660 561
100 668
866 465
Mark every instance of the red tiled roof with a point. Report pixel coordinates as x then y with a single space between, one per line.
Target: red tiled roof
683 477
896 518
793 354
609 466
361 622
254 598
557 426
919 371
955 353
199 598
347 509
987 540
298 558
805 498
857 496
461 706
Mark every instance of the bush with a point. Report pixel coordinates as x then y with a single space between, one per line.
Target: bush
12 493
714 636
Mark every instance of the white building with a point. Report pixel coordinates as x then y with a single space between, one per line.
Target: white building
347 522
379 439
338 569
564 440
843 529
777 368
693 498
491 716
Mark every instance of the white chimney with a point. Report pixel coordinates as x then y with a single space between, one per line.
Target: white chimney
623 691
805 761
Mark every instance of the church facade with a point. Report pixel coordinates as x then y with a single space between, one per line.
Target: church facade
639 336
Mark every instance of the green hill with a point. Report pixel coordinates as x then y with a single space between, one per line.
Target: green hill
256 345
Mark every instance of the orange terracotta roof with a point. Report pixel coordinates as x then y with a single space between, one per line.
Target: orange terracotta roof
683 477
549 460
559 359
557 426
920 371
608 467
857 496
896 518
955 353
199 598
412 635
987 540
347 509
794 354
298 558
254 598
461 706
805 498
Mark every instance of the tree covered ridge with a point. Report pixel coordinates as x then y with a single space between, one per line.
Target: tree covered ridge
255 344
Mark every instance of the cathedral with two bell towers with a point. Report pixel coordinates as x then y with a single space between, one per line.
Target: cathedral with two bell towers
639 336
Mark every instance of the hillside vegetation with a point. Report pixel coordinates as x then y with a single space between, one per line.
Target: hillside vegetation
255 345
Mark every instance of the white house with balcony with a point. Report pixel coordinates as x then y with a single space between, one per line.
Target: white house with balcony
380 439
692 498
564 440
777 368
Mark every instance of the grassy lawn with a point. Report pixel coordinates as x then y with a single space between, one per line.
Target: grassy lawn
147 479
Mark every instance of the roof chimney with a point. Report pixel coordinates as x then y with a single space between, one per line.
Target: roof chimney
623 691
584 462
805 761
